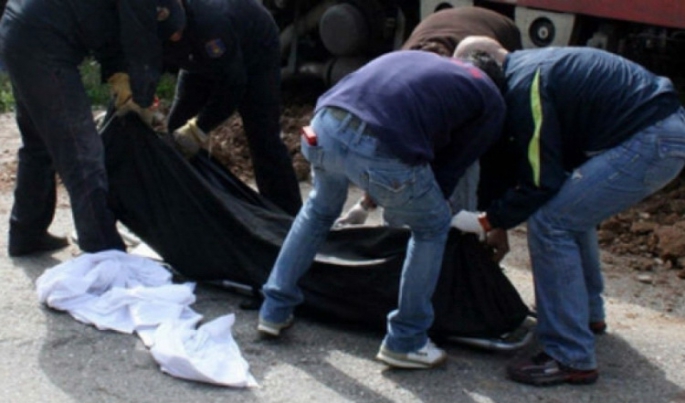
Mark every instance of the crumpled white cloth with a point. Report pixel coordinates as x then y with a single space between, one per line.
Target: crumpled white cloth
194 354
113 290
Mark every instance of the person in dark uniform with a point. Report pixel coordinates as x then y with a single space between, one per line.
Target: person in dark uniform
229 59
595 133
42 43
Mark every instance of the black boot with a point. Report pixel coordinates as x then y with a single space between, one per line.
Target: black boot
22 246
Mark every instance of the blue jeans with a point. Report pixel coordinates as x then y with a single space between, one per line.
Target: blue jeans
410 196
563 241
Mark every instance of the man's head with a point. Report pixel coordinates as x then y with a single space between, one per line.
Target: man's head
485 62
485 53
483 44
434 46
171 19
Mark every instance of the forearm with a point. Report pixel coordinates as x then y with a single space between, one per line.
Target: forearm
142 47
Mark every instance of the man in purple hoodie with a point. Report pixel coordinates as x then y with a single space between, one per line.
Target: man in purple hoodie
403 128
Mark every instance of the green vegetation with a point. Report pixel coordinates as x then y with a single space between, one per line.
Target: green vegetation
6 97
96 90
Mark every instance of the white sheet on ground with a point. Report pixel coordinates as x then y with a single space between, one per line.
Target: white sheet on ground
113 290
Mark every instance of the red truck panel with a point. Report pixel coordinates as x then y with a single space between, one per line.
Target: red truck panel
667 13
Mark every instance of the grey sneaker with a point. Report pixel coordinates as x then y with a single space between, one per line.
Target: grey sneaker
428 356
273 329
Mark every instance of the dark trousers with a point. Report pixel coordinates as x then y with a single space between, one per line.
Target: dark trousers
59 135
259 107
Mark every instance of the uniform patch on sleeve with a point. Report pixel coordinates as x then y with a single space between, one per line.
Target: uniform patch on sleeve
162 13
215 48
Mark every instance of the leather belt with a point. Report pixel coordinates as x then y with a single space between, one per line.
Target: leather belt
354 123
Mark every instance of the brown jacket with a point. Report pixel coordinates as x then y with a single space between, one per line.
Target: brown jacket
449 26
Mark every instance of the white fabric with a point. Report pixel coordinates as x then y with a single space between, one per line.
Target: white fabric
356 215
207 354
113 290
467 221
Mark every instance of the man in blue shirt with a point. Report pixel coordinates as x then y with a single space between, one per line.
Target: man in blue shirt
595 134
403 128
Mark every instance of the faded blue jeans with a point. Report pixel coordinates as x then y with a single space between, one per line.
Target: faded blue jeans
410 195
563 241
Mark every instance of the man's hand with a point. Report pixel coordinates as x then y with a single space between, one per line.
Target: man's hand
355 216
147 115
189 138
120 86
473 222
498 241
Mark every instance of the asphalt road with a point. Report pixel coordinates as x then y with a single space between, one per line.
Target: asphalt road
49 357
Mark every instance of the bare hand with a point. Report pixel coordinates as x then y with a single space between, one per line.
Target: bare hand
498 240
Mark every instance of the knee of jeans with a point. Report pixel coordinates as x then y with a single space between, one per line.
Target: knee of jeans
324 210
541 224
432 227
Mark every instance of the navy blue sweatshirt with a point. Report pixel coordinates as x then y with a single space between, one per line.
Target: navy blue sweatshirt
425 108
565 105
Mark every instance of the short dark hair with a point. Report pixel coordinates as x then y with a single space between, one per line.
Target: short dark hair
434 46
485 62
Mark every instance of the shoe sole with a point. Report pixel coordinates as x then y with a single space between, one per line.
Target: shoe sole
578 380
273 331
268 331
397 363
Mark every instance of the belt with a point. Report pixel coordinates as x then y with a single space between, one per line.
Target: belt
354 123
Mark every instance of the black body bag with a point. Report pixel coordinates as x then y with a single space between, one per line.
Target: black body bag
208 225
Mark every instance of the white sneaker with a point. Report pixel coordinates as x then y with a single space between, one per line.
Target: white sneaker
428 356
273 329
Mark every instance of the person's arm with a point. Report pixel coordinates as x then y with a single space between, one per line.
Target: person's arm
535 125
142 48
229 74
538 135
470 143
358 213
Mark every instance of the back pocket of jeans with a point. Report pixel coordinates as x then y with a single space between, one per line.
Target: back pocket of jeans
671 146
313 154
391 187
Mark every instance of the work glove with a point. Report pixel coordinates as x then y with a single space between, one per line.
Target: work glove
120 87
473 222
189 138
356 215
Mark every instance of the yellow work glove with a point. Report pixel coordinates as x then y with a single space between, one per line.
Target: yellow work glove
189 138
120 86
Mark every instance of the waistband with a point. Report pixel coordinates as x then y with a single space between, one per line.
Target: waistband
354 122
